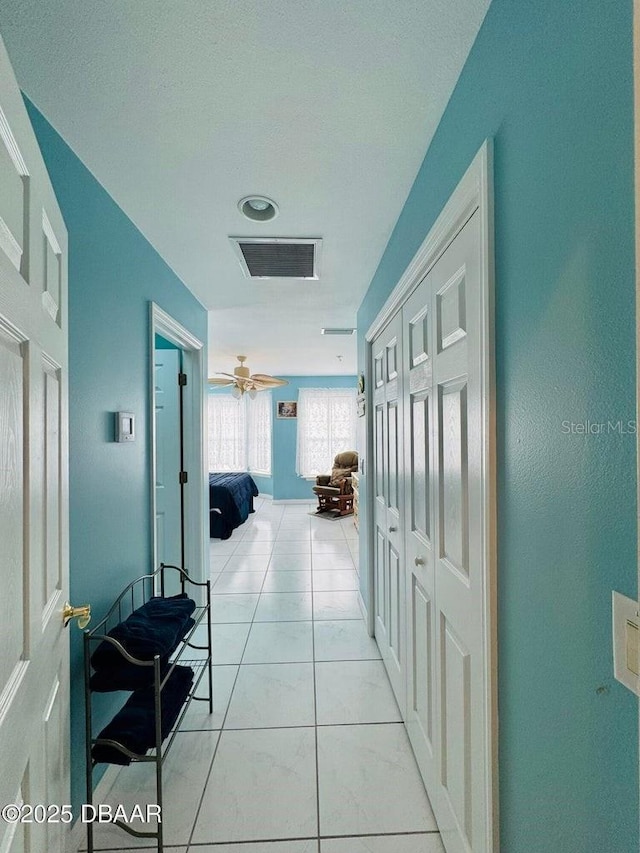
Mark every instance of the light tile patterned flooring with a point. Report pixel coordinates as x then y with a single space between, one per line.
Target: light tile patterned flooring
305 751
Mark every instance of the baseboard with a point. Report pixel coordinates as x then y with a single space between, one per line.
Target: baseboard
77 838
296 501
368 618
363 608
264 495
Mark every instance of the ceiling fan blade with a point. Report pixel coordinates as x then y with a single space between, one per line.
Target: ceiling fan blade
275 383
220 382
268 381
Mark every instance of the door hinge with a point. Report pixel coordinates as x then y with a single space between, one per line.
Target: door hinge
182 379
183 478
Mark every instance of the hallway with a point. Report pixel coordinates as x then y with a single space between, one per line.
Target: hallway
305 751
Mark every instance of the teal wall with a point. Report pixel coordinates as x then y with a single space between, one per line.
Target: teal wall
287 485
264 484
163 343
113 274
551 82
284 483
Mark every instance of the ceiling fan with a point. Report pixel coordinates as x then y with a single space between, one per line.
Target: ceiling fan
242 381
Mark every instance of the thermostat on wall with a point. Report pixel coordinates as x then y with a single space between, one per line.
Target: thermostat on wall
125 426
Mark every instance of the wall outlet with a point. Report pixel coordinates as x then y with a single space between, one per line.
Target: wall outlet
626 641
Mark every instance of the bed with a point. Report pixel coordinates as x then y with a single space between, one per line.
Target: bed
230 502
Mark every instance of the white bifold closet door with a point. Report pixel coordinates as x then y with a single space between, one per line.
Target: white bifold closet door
390 623
433 646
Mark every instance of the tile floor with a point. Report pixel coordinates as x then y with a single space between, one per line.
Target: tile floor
305 751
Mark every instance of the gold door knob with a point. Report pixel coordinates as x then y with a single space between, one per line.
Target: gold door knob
82 614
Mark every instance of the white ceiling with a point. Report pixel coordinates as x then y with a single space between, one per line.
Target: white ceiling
182 107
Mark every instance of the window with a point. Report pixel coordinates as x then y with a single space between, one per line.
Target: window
326 427
240 433
227 430
259 433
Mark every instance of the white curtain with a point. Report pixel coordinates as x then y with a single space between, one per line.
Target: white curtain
227 433
240 433
259 433
326 426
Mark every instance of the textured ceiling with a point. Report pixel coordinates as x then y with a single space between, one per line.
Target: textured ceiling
182 108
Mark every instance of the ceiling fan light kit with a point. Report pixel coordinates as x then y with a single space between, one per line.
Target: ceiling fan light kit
241 380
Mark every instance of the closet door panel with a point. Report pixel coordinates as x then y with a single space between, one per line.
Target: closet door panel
461 795
418 330
390 580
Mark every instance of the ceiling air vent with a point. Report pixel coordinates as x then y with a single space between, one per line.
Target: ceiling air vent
337 331
279 257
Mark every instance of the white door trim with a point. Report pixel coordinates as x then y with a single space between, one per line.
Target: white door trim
196 523
473 193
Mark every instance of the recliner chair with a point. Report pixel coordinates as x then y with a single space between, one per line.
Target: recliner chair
334 491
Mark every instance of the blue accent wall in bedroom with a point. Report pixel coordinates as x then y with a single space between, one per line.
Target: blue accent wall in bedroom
113 275
552 83
287 485
264 484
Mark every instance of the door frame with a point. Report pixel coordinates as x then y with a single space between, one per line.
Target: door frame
473 193
196 530
636 134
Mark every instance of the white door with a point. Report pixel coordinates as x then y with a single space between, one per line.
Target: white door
419 507
390 625
446 714
34 664
168 464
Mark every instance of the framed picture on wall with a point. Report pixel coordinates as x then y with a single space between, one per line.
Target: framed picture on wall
287 409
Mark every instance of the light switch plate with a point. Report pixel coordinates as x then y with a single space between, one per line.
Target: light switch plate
626 639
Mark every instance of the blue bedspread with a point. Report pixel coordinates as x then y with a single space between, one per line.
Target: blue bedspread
232 494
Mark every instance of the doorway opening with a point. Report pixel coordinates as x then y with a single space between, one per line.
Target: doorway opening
177 439
169 447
